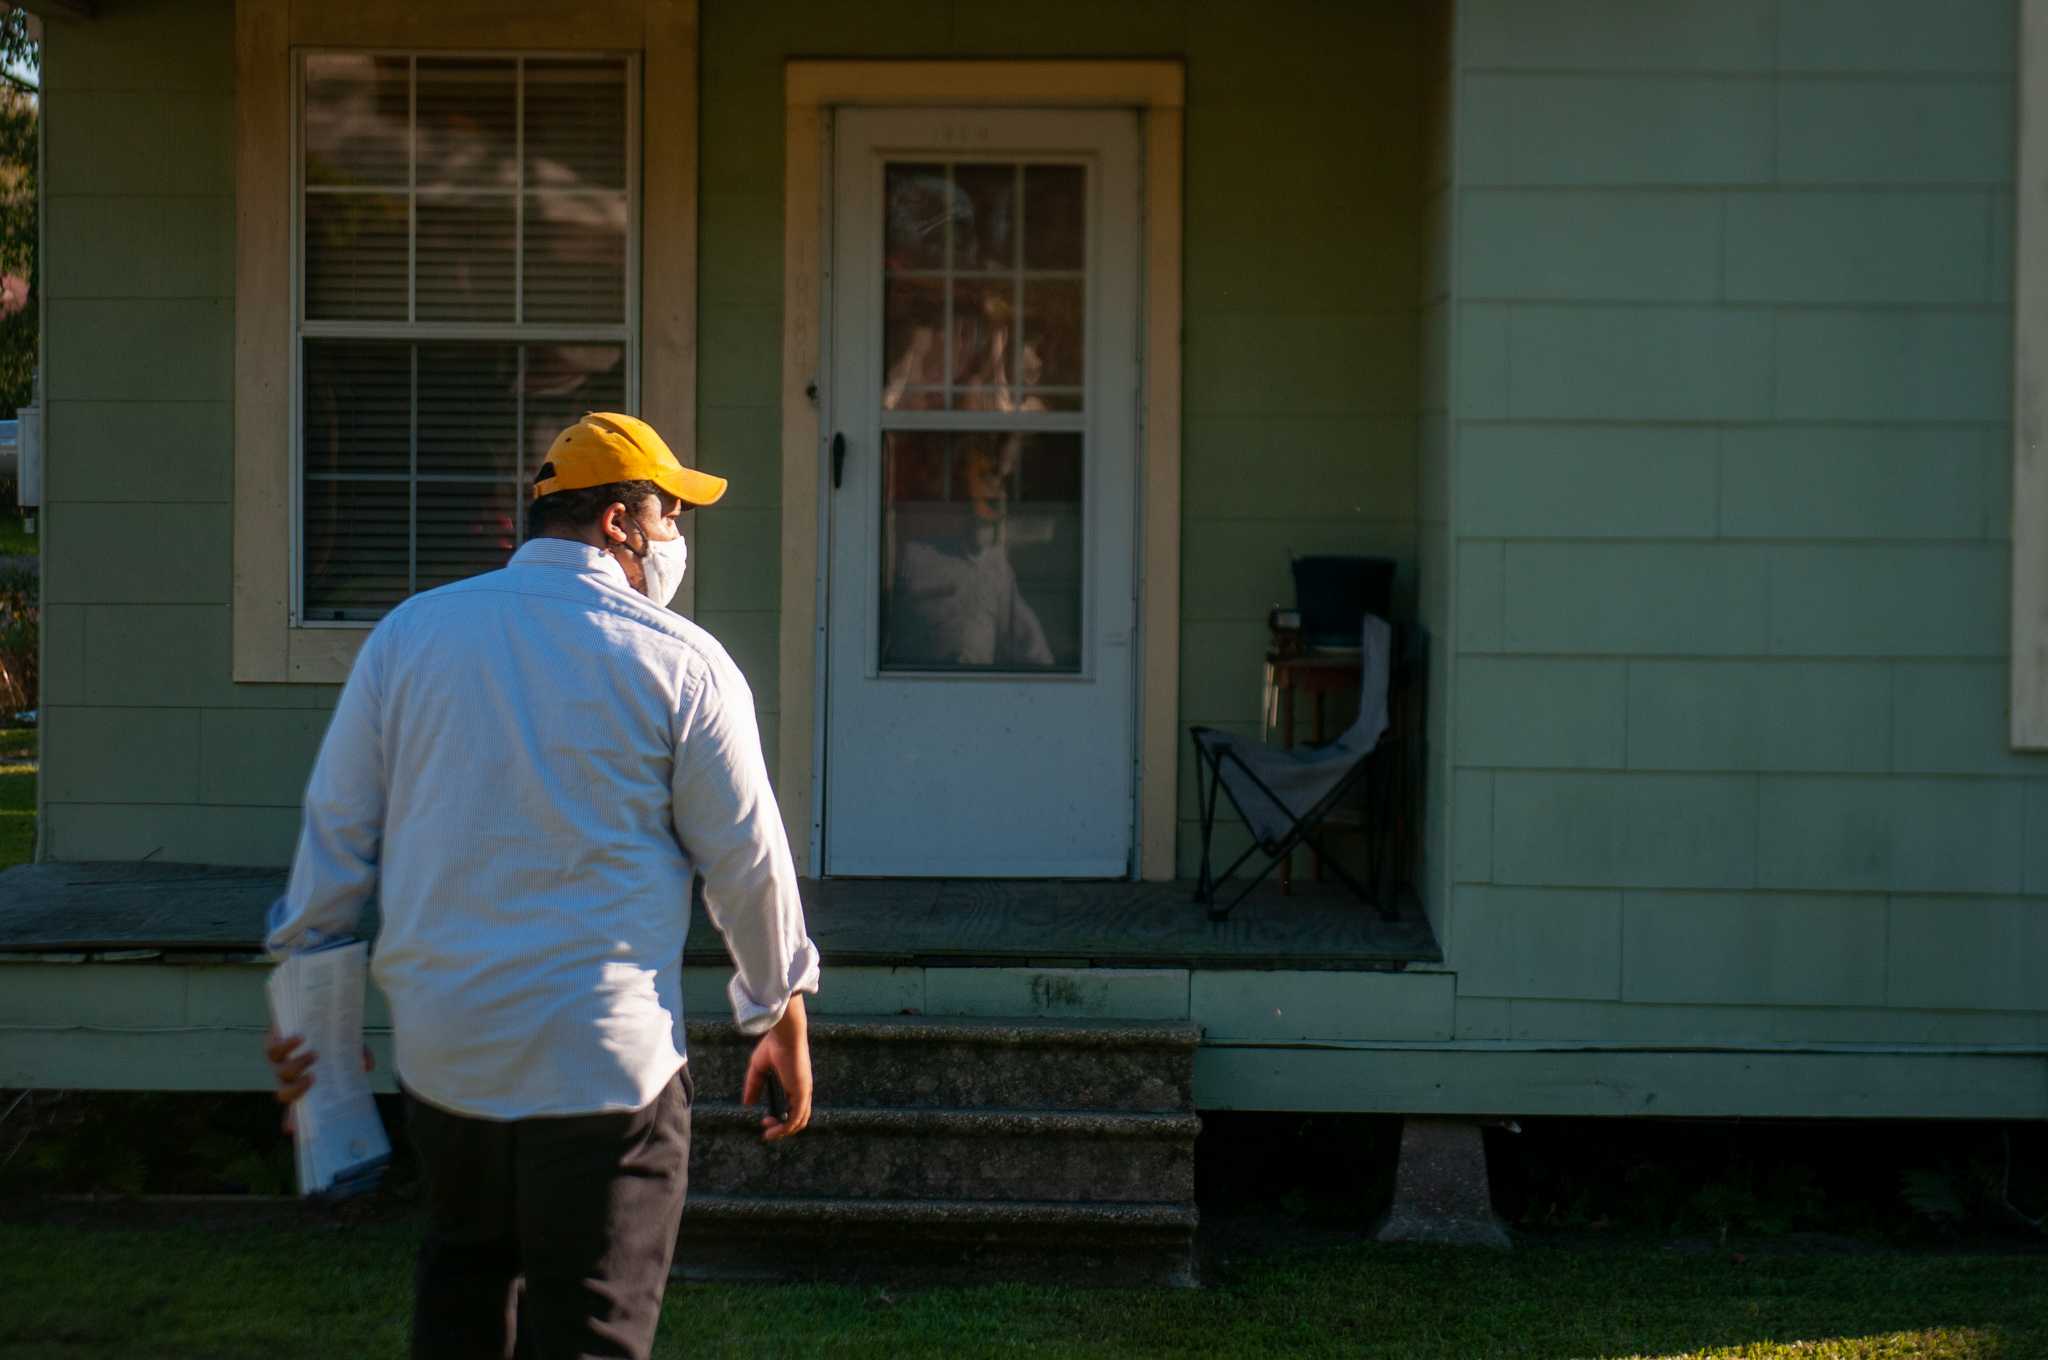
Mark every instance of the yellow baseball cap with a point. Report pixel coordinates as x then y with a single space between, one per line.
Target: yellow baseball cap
606 447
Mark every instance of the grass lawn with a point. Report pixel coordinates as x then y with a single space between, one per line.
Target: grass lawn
17 795
15 540
319 1290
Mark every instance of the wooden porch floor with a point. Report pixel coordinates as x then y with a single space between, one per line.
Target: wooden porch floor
104 909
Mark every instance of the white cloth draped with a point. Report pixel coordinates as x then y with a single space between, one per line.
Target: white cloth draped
1303 777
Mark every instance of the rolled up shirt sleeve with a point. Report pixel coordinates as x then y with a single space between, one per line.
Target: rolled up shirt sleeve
727 821
334 870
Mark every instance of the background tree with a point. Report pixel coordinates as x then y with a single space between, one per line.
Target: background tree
20 106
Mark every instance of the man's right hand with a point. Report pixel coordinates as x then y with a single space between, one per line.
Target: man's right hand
786 1049
292 1063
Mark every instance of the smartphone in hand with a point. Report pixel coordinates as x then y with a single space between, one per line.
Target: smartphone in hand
774 1096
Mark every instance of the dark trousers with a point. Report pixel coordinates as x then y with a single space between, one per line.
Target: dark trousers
548 1238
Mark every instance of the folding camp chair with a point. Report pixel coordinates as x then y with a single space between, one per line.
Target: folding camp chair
1287 797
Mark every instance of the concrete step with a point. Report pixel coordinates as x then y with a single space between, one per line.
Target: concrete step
911 1061
924 1240
1068 1156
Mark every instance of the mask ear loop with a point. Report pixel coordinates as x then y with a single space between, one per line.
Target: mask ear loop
646 543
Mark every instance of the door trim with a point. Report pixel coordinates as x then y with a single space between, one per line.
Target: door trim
813 88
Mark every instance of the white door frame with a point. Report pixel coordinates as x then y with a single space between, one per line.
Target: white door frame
1060 744
814 89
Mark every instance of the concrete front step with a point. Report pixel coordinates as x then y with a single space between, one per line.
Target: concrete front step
911 1061
726 1237
881 1153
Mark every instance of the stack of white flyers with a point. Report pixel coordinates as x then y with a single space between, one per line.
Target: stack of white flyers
338 1139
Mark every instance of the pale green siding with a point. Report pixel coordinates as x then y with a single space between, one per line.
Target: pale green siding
1301 371
1663 342
150 750
1729 374
1303 202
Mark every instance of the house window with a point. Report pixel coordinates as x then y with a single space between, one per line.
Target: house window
466 241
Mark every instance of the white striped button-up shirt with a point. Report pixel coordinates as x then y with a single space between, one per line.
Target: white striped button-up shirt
524 770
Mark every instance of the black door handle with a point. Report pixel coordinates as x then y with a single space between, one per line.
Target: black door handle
838 459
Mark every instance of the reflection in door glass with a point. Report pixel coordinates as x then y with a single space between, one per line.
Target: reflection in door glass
983 269
981 542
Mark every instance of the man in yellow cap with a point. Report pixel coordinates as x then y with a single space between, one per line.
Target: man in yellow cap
526 769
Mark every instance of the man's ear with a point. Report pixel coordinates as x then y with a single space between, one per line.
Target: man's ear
612 521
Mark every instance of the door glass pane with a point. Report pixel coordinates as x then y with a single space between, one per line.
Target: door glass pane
984 235
1055 198
1053 323
983 305
916 209
983 313
913 344
984 322
981 549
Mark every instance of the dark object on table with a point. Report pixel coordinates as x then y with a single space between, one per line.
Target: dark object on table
1285 626
1333 593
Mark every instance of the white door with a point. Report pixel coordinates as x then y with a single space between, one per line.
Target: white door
980 704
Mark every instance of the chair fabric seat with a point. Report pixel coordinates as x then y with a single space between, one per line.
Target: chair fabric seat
1286 797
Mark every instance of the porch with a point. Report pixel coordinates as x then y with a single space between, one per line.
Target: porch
117 910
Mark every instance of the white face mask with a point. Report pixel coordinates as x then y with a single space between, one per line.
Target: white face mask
663 564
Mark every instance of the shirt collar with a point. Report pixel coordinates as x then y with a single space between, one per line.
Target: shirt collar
567 552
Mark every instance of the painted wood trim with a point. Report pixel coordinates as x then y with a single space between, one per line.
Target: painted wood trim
1159 568
1038 84
2030 391
615 24
322 656
668 244
1482 1079
803 295
1157 87
267 649
263 321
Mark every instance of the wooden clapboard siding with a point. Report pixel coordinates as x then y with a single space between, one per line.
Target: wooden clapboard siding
1725 462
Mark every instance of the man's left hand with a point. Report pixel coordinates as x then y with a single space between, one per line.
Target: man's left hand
786 1050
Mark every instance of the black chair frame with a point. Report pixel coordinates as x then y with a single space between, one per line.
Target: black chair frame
1375 771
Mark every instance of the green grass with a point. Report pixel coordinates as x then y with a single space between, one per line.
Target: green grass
17 796
15 540
320 1290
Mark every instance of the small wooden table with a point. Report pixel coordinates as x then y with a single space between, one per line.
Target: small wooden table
1316 674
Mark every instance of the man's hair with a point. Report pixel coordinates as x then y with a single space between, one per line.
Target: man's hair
581 508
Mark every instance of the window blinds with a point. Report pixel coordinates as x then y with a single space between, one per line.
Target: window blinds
465 237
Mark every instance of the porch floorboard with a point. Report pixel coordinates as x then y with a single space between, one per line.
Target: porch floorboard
109 908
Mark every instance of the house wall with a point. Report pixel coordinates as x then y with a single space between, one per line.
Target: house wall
149 749
1729 492
1671 362
1301 355
1300 371
1437 295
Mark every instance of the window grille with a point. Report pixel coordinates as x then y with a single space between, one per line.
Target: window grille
467 240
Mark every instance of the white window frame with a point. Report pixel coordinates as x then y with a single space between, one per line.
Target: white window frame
2029 640
625 333
267 647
